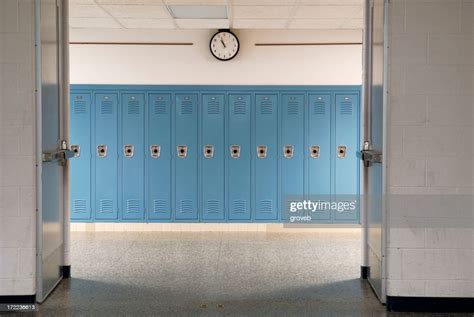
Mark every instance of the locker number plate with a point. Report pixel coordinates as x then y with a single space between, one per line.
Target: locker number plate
182 151
155 151
208 151
128 151
235 151
288 151
314 151
102 150
262 151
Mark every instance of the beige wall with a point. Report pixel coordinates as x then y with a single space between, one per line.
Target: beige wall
430 243
17 155
286 65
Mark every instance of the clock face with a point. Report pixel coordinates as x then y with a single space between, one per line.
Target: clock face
224 45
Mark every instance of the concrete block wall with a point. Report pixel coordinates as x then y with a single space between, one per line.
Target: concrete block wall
17 144
431 236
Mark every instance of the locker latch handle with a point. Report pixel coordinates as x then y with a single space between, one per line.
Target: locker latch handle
288 151
314 151
128 150
341 151
102 151
208 151
235 151
76 149
155 151
262 151
182 151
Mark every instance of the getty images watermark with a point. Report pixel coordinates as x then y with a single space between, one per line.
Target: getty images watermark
304 210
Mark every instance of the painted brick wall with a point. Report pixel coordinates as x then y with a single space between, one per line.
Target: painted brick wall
431 232
17 160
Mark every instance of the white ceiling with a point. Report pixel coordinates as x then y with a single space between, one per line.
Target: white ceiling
242 14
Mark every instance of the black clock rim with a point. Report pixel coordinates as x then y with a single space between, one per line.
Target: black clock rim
224 59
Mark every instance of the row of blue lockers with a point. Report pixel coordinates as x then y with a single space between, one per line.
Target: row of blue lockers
212 153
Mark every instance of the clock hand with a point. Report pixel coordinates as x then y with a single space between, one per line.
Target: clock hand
223 43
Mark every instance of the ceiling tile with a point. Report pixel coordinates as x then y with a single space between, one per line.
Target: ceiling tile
259 24
329 12
264 2
137 11
195 2
131 2
332 2
87 11
71 2
94 23
261 12
147 23
325 24
202 23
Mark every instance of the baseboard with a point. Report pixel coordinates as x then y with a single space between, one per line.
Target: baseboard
364 272
430 304
210 227
18 299
66 270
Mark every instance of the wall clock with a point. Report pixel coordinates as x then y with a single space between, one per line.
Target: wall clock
224 45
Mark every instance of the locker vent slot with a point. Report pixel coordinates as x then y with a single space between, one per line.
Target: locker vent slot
133 107
133 205
186 107
186 205
266 107
159 205
213 107
106 205
293 108
346 108
80 107
265 206
319 108
213 206
79 205
160 107
239 206
106 107
240 108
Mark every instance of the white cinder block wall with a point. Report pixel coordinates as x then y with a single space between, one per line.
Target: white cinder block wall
431 137
17 160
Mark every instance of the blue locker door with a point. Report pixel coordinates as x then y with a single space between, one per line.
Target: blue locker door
239 164
212 157
319 150
132 156
347 165
186 156
159 156
292 139
106 156
266 157
80 166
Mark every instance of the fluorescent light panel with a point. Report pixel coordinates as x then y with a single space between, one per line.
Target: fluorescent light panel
198 11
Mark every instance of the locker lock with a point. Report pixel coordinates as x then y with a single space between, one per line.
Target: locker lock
235 151
314 151
155 151
76 149
102 151
288 151
341 151
182 151
262 151
128 150
208 151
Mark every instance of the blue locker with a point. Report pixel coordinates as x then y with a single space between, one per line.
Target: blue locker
239 157
346 163
319 150
159 154
80 166
106 156
213 157
186 156
292 152
266 158
132 156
